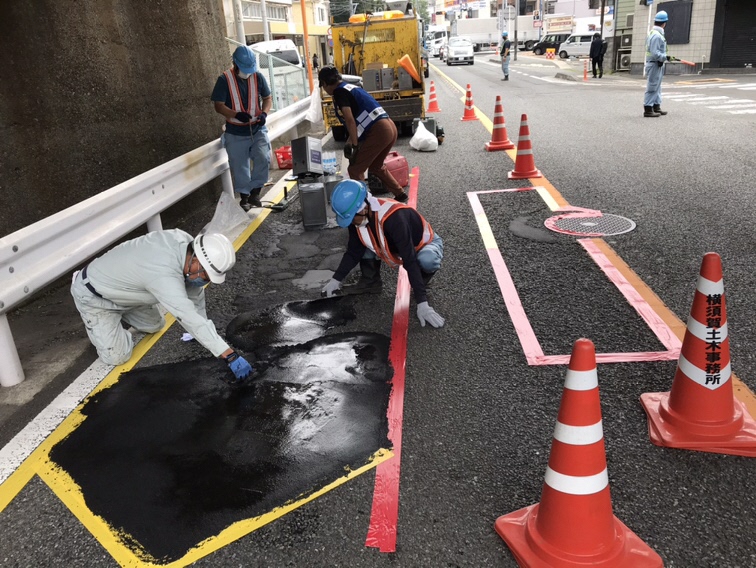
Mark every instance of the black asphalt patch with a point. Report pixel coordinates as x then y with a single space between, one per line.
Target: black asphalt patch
171 455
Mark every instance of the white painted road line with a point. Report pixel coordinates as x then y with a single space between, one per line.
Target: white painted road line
747 111
738 106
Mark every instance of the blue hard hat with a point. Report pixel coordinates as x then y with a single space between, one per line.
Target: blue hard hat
504 34
245 60
661 16
348 197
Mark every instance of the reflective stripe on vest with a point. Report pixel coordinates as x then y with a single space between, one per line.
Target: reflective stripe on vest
370 110
236 102
377 243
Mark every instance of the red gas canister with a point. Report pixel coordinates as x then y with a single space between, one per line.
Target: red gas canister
399 168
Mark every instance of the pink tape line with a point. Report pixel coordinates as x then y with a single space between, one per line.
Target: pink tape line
530 345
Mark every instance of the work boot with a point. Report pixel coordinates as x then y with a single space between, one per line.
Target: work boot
402 197
649 112
657 109
254 197
370 279
506 77
244 201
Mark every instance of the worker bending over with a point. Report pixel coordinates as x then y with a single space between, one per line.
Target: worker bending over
162 267
382 229
371 132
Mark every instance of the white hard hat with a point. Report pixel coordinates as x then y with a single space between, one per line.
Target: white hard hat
216 255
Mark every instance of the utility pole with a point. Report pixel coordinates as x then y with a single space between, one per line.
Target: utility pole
517 17
264 14
601 19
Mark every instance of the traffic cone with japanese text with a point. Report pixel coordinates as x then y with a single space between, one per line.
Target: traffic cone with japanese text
701 412
433 104
524 163
499 138
469 106
574 525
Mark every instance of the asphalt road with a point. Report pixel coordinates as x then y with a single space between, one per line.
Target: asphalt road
478 420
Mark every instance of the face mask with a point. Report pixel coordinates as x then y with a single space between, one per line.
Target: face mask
196 282
244 75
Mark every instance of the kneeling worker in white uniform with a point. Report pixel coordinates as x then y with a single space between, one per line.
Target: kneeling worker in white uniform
162 267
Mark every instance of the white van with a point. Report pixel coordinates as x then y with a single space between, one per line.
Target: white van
281 48
577 45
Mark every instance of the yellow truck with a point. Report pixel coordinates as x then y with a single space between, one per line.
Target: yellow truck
371 45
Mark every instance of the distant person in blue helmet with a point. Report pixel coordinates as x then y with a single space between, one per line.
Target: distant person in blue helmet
388 231
242 96
504 49
656 57
371 133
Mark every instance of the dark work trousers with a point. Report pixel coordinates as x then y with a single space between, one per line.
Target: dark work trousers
598 61
371 153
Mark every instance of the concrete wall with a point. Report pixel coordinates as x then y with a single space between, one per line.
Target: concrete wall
95 92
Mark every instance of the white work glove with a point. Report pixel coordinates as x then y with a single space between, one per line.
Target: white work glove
427 314
331 288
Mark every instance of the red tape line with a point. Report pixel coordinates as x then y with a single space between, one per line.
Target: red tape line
385 512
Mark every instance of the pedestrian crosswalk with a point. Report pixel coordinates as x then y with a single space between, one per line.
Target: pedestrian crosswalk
715 102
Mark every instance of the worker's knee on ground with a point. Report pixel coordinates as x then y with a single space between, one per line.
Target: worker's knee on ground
115 355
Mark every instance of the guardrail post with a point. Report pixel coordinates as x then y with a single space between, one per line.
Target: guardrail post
154 223
227 183
11 372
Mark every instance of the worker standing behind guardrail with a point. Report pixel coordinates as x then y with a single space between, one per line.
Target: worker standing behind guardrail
372 133
242 96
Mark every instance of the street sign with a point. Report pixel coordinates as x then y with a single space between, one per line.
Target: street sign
509 13
537 23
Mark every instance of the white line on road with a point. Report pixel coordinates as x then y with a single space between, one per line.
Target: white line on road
747 111
743 104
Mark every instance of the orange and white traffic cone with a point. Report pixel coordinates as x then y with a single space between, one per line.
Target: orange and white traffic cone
469 106
433 104
524 164
499 138
701 412
574 525
585 70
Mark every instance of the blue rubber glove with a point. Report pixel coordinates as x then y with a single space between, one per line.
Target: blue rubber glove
262 118
239 366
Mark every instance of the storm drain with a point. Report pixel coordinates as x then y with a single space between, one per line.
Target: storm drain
593 226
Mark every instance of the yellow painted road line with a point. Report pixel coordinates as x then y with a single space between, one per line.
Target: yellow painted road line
552 198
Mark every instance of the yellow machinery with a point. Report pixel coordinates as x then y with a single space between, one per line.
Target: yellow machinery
370 43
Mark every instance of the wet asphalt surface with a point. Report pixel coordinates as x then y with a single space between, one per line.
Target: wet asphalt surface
478 421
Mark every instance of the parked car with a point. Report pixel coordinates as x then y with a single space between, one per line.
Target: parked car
550 41
282 49
577 45
460 50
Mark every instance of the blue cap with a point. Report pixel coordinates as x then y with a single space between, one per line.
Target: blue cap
245 60
504 34
661 16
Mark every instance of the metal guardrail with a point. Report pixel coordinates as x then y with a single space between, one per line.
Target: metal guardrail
39 254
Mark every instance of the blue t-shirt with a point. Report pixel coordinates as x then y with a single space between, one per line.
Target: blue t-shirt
222 94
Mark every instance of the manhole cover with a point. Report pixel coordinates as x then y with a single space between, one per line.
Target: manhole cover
599 226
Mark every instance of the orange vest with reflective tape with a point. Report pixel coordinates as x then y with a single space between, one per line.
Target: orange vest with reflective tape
377 243
236 99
